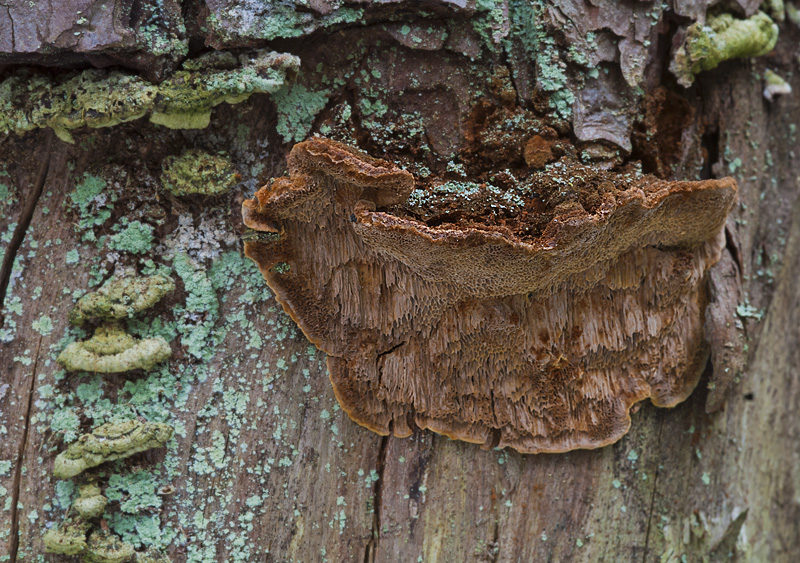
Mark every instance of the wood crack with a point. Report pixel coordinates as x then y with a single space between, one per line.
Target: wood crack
377 495
652 498
17 485
22 226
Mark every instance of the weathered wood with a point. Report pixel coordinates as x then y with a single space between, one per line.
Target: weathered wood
264 464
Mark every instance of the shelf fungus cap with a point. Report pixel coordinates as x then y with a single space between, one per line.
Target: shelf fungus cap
121 297
112 350
106 547
540 339
90 502
68 539
109 442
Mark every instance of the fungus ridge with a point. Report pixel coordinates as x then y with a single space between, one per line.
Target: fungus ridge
541 344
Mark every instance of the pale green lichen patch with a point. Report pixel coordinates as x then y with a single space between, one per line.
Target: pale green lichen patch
297 107
67 539
135 492
96 98
112 350
198 172
723 37
202 308
93 201
90 502
135 237
109 442
121 297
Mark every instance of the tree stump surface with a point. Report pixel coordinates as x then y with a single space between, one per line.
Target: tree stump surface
264 464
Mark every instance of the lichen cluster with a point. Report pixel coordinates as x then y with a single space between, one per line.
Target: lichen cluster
96 98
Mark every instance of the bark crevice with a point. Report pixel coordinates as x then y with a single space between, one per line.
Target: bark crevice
22 226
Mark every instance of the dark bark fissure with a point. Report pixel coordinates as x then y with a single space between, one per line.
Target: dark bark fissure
377 496
22 226
17 485
652 498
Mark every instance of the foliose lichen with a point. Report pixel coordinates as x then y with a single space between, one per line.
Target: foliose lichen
723 37
198 172
96 98
121 297
109 442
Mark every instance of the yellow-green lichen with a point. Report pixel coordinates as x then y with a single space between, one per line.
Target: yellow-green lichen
90 502
723 37
96 98
67 539
120 298
198 172
109 442
105 547
112 350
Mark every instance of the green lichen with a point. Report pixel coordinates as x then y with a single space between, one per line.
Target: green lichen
121 297
201 303
198 172
135 237
275 20
109 442
527 21
135 492
93 202
297 107
90 502
112 350
723 37
105 547
96 98
67 539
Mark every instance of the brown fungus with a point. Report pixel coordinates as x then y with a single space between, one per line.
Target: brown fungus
539 339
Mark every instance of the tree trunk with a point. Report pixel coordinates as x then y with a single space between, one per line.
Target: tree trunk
264 465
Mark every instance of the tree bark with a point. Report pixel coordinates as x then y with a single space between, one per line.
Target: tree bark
264 464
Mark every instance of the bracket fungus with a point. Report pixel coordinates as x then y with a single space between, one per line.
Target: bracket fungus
68 539
90 502
539 334
722 37
120 298
112 350
109 442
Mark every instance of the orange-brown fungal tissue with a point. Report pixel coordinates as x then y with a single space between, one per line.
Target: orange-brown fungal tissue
539 333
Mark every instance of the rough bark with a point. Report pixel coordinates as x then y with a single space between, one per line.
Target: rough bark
264 464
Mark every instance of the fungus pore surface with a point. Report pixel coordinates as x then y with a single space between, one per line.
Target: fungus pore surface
538 331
